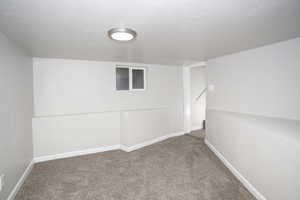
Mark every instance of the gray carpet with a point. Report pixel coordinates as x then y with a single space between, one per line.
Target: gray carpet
181 168
198 133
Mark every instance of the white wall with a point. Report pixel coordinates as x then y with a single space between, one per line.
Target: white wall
143 125
198 107
68 91
57 135
15 113
253 116
262 81
76 86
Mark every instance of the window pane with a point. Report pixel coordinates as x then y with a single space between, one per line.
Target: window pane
137 79
122 78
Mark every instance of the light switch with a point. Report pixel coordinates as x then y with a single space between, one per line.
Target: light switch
211 88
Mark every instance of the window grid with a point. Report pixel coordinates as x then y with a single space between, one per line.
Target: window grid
131 68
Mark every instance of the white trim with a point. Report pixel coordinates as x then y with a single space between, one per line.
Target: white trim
84 152
115 77
130 78
125 148
107 148
75 153
145 80
20 182
130 68
198 64
186 73
101 112
195 128
149 142
236 173
251 114
187 96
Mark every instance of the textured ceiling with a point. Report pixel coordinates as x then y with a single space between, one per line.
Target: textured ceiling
169 32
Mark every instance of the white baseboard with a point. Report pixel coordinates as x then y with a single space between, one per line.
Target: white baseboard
236 173
195 128
84 152
17 187
75 153
107 148
149 142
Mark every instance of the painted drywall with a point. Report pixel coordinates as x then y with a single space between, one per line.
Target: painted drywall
143 125
15 113
186 77
76 97
76 86
253 116
262 81
57 135
201 29
198 107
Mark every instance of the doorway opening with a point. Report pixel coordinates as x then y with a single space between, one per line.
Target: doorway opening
195 88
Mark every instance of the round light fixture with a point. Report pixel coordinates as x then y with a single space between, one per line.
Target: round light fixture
122 34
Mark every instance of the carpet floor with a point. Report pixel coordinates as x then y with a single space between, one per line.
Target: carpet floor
180 168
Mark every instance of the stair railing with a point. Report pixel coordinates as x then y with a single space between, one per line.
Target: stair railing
203 91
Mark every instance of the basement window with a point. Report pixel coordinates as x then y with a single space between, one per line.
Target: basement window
130 78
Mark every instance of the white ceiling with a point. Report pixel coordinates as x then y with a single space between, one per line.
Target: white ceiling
169 31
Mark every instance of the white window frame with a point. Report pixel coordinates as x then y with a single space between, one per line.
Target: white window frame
130 77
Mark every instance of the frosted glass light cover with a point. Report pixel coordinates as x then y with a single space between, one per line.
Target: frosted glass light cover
122 34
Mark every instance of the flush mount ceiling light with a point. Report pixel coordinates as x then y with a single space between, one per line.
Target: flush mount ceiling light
122 34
